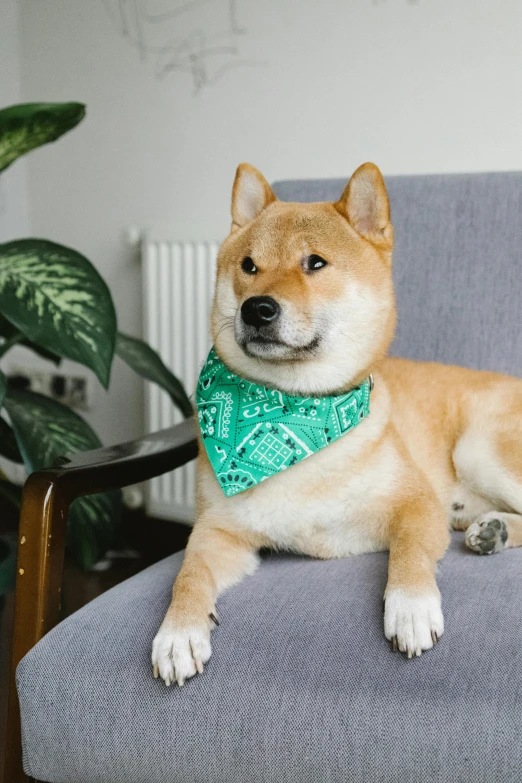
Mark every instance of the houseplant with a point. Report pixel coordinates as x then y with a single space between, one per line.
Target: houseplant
53 301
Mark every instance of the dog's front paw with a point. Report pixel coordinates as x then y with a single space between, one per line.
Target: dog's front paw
412 623
180 652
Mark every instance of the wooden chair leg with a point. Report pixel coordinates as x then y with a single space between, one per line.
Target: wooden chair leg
41 546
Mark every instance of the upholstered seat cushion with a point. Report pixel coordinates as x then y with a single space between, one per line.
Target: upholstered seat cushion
302 686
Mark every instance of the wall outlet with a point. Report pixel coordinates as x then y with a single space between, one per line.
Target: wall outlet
71 390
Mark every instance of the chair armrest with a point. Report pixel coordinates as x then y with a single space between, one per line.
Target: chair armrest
113 467
46 499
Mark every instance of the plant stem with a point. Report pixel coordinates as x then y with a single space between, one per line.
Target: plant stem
16 338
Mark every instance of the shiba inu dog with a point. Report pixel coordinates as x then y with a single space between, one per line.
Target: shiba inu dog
304 304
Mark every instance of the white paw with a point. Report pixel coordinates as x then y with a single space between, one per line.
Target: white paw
412 623
488 535
180 653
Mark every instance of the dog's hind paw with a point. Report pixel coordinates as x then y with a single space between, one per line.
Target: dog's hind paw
180 653
412 623
488 535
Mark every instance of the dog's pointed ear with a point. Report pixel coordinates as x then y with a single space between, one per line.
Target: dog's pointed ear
365 205
251 193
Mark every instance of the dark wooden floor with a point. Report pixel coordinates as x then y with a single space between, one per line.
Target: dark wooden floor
153 539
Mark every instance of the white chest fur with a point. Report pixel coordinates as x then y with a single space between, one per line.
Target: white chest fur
330 504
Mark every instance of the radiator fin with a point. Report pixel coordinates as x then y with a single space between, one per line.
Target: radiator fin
178 282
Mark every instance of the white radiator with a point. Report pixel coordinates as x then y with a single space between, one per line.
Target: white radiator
178 283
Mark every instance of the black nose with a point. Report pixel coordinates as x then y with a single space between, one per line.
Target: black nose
259 310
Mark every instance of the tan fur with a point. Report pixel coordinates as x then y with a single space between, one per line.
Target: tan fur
440 441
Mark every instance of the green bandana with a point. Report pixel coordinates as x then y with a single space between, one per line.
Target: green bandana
251 432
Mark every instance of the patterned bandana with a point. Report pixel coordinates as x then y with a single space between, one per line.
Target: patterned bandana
251 432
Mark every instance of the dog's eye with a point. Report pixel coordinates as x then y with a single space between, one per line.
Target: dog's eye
248 266
313 263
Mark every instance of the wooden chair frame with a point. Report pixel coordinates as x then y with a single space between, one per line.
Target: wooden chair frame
46 499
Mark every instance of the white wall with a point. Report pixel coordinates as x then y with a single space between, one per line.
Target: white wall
429 86
14 218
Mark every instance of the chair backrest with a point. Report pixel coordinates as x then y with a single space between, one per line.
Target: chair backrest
457 264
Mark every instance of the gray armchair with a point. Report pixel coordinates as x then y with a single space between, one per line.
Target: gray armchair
302 686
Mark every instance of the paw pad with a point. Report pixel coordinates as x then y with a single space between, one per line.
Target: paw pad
487 536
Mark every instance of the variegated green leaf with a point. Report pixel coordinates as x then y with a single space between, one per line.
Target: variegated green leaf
8 445
94 526
8 331
55 296
46 431
146 362
3 387
26 126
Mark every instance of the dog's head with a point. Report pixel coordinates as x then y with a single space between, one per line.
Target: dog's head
304 297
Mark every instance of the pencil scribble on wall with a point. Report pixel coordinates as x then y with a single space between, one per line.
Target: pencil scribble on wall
201 38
